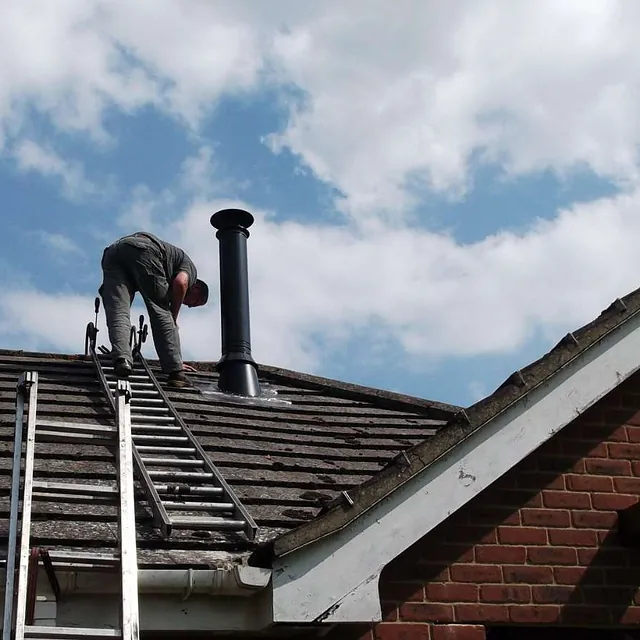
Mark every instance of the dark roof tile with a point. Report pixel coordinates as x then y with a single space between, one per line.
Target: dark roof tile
285 461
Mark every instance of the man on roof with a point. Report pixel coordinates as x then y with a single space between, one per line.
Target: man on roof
167 279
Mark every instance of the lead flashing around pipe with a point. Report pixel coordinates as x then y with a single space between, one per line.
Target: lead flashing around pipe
335 578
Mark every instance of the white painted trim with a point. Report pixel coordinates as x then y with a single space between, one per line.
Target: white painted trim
333 579
237 581
216 600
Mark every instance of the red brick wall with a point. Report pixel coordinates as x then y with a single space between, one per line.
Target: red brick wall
539 547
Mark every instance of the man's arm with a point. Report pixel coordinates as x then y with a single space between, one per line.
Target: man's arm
179 288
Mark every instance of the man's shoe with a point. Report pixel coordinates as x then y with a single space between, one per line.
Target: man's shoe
122 368
178 380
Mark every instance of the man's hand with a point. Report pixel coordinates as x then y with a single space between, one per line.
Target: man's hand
188 367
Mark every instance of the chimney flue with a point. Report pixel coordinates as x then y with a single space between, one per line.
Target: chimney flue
238 371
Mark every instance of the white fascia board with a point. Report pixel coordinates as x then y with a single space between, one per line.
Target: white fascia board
335 579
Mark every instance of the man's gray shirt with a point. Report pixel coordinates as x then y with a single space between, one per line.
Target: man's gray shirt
172 258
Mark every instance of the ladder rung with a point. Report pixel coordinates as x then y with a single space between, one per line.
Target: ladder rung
147 418
199 506
187 490
110 559
76 427
134 377
87 561
139 437
155 428
180 475
142 395
76 498
70 489
177 451
136 411
62 633
134 385
137 401
196 522
172 462
75 438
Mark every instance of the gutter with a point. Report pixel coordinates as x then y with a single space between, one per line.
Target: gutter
239 581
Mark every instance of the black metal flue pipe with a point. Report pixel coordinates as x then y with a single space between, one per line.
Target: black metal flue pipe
238 371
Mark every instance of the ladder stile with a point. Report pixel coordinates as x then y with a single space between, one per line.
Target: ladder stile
22 390
31 381
103 380
18 621
164 449
126 515
160 516
182 486
241 512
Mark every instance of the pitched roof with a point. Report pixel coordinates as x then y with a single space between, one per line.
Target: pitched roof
285 461
464 422
334 578
288 464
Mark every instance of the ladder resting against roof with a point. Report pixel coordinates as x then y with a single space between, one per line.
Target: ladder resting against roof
22 562
184 489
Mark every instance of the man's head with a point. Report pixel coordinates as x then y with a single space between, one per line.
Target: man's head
197 295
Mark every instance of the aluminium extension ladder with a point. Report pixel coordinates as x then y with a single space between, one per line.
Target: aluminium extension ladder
22 566
183 487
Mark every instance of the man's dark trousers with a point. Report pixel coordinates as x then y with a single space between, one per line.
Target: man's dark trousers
130 265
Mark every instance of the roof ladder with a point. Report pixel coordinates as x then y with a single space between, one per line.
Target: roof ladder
184 489
22 562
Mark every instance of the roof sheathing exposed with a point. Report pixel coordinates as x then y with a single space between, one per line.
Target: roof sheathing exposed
407 464
284 462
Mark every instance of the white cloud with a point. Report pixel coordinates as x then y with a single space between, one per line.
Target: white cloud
72 60
31 157
403 94
478 390
428 294
395 96
197 173
149 210
144 208
35 320
56 59
61 245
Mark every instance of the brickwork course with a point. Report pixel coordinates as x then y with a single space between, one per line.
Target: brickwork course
539 548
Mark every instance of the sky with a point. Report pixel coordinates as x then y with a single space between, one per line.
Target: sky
441 189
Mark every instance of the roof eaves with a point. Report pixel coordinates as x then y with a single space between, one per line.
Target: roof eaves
409 463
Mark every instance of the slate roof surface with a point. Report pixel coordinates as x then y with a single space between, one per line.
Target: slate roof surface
284 461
